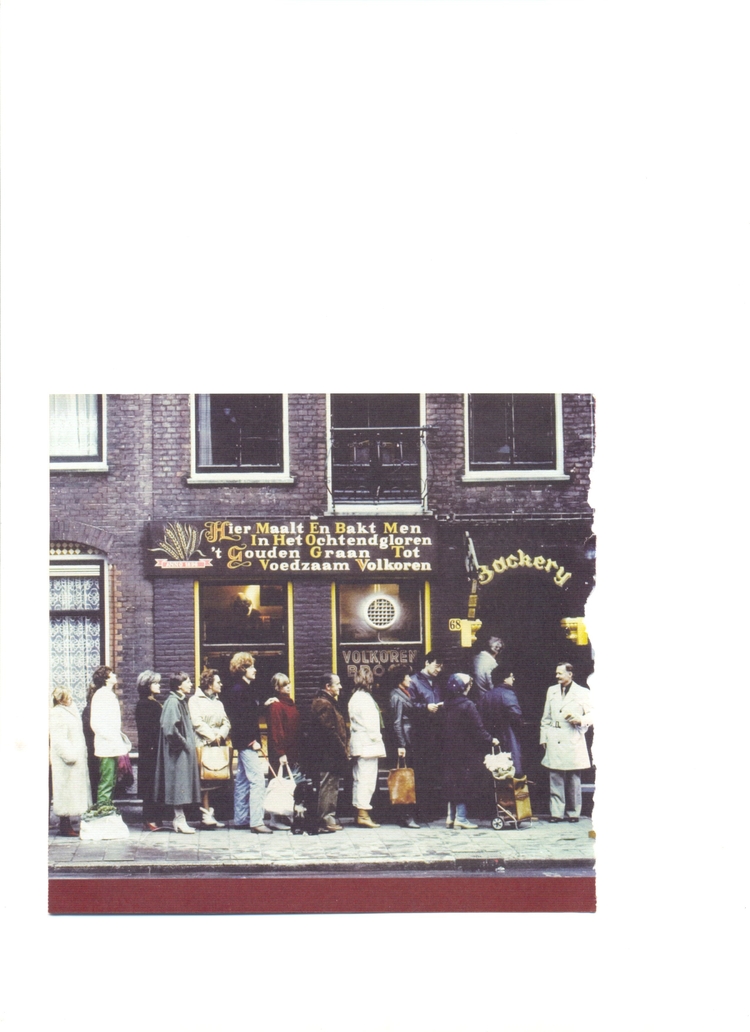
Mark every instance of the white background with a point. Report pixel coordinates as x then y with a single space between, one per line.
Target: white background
395 195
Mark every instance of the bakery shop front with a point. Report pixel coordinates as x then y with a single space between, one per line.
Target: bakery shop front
531 581
253 576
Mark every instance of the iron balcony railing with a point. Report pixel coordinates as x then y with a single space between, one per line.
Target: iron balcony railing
377 463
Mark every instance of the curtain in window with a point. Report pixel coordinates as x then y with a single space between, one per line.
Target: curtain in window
203 417
75 637
74 425
75 652
74 593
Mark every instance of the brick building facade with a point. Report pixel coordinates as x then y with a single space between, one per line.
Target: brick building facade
497 485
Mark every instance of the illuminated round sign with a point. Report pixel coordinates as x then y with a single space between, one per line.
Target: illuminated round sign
381 612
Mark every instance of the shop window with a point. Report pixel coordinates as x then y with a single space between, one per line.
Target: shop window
374 613
244 617
76 431
240 437
513 436
376 449
76 602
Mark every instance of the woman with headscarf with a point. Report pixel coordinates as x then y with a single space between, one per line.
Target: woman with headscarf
177 778
211 726
71 789
464 739
366 748
147 720
402 708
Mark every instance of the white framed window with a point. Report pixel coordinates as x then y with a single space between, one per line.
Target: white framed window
239 439
513 437
78 634
77 432
376 454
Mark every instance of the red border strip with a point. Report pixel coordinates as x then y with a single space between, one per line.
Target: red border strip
321 895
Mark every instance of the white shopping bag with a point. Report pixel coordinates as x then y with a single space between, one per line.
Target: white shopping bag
279 797
112 826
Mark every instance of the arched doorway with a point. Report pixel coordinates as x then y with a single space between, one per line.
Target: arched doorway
526 610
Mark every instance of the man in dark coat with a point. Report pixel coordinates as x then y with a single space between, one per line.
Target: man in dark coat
328 749
501 713
427 738
243 703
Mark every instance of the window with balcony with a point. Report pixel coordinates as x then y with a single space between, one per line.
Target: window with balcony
513 436
76 432
376 449
240 437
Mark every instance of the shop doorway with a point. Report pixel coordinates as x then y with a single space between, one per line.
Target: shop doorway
527 611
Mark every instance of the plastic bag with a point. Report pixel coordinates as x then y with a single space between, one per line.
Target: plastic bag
125 777
500 765
279 797
112 826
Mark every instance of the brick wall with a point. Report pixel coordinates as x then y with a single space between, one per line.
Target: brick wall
148 452
448 493
106 511
312 638
174 627
173 496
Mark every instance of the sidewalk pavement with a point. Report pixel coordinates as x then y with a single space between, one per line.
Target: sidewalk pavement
389 849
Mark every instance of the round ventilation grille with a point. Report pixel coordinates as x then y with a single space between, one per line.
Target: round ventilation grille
381 612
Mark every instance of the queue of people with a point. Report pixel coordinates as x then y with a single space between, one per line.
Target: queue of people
442 733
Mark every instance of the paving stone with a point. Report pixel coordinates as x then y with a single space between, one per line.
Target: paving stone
391 847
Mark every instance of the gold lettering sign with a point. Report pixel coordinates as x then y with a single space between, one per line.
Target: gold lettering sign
521 559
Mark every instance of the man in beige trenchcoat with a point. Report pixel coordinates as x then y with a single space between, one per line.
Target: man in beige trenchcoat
566 718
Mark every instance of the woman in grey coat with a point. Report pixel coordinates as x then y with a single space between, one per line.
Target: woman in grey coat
177 777
71 789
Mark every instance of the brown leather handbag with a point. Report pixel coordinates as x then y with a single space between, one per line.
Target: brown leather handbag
401 785
213 761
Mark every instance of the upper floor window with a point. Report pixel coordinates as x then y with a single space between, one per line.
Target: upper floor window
514 436
76 431
376 449
240 437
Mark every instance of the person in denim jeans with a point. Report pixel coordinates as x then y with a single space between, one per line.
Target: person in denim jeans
243 705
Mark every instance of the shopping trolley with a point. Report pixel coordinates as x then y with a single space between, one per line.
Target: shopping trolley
511 793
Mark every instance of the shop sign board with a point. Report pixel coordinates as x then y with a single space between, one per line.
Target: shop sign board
389 547
370 665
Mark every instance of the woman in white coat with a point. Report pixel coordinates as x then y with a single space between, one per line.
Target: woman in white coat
366 748
567 717
71 788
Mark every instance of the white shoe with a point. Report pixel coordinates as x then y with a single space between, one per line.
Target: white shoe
209 820
183 826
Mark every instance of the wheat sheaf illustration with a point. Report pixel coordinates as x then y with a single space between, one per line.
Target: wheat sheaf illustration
180 541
